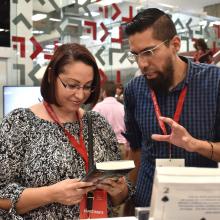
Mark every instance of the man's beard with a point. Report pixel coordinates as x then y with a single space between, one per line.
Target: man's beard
164 80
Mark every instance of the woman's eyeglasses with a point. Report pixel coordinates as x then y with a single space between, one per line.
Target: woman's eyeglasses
76 87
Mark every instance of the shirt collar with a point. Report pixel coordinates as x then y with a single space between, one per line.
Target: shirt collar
186 80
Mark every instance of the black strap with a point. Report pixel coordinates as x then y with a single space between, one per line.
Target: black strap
90 195
90 141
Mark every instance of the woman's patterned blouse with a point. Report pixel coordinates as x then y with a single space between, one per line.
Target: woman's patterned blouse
35 152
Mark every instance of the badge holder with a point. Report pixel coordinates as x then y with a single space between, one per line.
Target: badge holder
170 162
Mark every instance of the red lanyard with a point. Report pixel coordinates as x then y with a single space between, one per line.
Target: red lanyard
177 114
79 146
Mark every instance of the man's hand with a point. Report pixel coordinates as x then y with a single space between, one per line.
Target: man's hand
179 135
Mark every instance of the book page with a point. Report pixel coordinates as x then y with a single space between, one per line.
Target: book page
115 165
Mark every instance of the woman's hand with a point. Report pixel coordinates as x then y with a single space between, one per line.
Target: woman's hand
114 187
70 191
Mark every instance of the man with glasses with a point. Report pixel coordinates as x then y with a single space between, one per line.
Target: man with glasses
172 110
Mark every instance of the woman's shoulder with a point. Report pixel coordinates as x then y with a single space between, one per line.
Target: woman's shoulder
17 120
29 115
17 113
96 118
40 112
93 114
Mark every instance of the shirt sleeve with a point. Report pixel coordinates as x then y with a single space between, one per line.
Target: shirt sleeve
217 123
11 153
132 134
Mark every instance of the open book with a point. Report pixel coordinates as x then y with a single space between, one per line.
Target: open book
186 193
109 169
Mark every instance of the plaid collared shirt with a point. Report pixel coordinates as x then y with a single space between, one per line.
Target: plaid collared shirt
200 116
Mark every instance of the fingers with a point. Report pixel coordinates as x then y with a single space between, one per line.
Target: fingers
171 122
111 186
73 201
167 120
158 137
87 189
83 184
174 126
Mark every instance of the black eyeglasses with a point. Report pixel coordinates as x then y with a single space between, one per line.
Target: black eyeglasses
76 87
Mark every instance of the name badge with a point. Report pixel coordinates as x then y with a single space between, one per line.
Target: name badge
98 204
170 162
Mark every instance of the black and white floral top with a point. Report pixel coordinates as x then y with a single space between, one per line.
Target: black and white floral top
35 152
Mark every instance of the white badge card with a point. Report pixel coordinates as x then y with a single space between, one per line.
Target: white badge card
170 162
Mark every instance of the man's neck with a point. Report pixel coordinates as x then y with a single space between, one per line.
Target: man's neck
180 69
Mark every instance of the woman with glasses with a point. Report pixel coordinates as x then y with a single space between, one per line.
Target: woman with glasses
44 148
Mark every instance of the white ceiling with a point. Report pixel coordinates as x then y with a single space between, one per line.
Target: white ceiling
194 6
191 6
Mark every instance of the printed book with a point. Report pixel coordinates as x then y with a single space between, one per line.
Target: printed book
109 169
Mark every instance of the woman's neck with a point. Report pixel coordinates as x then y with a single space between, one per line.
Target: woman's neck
63 115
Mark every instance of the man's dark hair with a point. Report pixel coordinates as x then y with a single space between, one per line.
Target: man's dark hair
110 88
161 23
66 54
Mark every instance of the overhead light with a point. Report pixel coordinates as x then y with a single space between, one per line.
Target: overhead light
93 13
55 19
84 37
106 3
1 29
37 32
38 17
49 46
47 50
167 5
58 44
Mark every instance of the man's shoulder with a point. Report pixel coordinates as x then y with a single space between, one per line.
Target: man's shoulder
207 71
204 67
97 106
136 82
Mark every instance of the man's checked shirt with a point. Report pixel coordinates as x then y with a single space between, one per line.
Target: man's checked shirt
200 116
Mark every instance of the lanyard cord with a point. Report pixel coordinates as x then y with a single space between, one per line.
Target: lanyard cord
79 146
177 114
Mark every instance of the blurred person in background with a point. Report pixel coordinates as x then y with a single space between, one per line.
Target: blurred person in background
119 92
203 54
113 111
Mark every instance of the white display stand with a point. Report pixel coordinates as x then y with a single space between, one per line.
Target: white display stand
181 193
